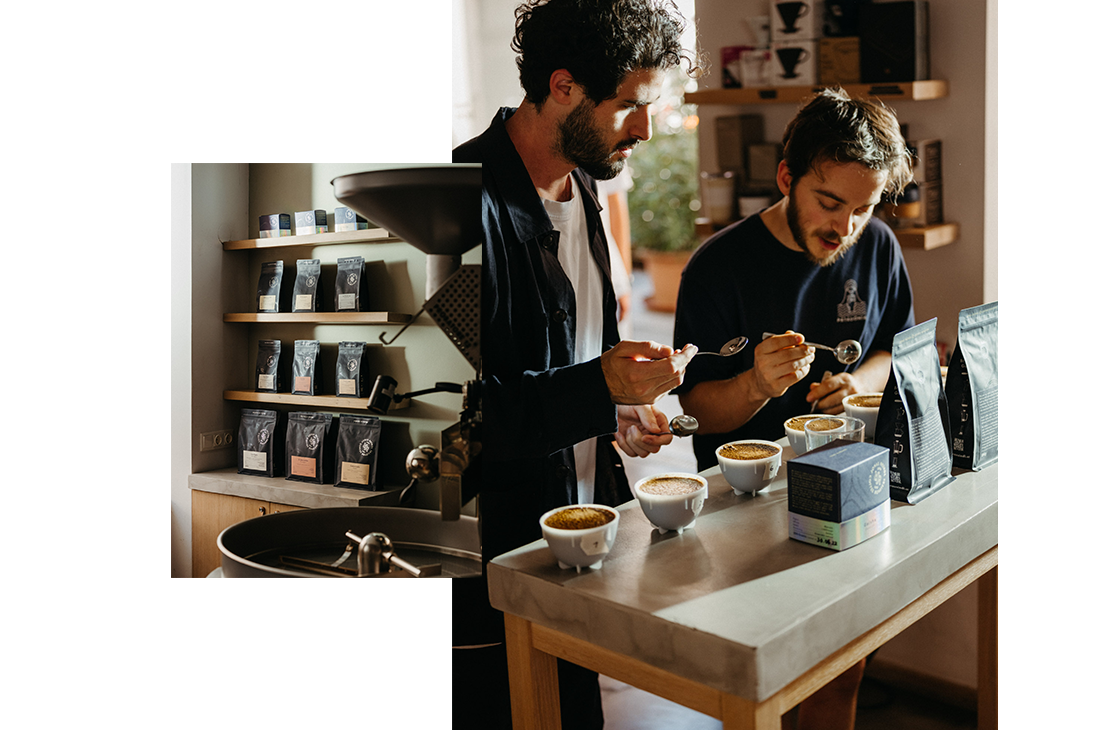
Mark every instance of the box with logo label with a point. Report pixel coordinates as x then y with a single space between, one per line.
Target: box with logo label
838 495
792 21
307 222
794 63
348 220
275 225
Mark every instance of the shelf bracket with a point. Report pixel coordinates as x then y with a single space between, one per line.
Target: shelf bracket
382 336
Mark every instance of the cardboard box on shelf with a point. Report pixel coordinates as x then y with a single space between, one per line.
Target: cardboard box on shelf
926 165
734 135
797 20
794 63
764 160
893 42
838 61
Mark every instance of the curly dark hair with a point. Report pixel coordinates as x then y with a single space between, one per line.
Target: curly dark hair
598 41
832 126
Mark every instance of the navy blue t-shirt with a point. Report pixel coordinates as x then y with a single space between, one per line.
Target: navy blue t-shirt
743 281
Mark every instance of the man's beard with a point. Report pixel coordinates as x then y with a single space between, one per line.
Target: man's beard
801 239
580 142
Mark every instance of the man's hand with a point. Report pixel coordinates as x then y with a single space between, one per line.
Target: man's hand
637 428
638 373
871 377
778 363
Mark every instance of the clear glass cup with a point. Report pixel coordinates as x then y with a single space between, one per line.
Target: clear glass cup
827 429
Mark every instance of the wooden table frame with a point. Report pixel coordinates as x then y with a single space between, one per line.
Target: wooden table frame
533 674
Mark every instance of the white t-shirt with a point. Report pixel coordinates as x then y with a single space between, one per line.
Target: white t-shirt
575 257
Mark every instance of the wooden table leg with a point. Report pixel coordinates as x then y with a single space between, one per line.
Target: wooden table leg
987 650
741 714
532 679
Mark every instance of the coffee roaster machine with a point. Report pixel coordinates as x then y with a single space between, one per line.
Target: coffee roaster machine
437 210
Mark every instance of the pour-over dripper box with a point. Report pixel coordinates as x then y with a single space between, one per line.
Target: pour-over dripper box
838 495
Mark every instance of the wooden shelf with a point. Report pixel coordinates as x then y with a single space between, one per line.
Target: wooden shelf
370 235
909 91
319 317
334 402
928 238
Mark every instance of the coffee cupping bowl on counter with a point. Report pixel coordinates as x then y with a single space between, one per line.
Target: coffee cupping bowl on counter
796 433
749 465
671 501
580 535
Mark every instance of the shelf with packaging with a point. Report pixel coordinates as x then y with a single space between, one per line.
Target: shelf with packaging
318 317
333 402
907 91
929 237
370 235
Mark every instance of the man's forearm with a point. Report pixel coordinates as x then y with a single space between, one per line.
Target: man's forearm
723 405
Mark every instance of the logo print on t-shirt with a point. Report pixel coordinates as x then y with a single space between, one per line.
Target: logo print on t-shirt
851 308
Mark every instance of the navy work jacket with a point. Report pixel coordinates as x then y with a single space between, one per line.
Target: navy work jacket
536 402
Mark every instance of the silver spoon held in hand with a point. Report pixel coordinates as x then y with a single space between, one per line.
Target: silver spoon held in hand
847 352
734 346
682 425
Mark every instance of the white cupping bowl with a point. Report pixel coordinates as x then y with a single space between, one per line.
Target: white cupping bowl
750 475
797 436
671 511
585 548
867 414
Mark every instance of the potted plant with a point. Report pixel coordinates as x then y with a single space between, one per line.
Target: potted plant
664 201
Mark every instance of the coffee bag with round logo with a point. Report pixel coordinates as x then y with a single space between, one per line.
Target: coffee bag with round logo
304 379
310 447
972 389
357 440
261 438
352 373
913 418
351 290
307 286
270 291
270 367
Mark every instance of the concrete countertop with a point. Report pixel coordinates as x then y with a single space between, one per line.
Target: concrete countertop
733 603
287 491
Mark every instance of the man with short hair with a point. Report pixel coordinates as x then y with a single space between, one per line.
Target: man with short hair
815 266
559 388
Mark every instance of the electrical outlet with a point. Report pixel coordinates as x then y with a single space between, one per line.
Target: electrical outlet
215 440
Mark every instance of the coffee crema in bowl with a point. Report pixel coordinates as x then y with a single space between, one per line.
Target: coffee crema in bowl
825 424
798 423
748 451
579 518
866 401
671 486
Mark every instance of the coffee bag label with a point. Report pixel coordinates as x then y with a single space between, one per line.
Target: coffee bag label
255 460
346 302
302 382
266 382
303 301
356 473
302 466
347 386
267 303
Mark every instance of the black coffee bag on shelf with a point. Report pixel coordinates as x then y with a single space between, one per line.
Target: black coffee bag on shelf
304 376
913 419
352 373
310 447
269 367
972 389
351 291
261 439
269 294
307 286
357 452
